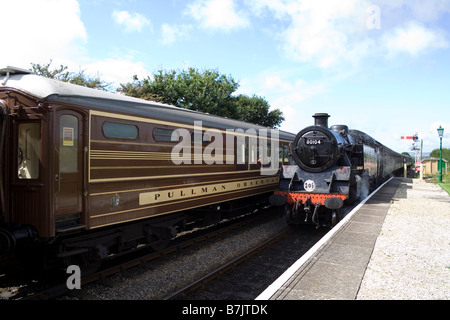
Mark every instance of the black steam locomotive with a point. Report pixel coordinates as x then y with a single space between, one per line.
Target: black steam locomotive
331 167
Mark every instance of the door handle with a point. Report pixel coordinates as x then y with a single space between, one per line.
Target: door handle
58 174
85 171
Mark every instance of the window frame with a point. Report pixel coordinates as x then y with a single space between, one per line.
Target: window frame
168 137
107 133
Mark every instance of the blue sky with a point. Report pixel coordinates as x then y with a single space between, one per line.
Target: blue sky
380 66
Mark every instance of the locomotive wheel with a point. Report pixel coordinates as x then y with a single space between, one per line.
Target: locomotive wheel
336 216
288 213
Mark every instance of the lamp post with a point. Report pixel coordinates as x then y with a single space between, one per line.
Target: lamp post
440 133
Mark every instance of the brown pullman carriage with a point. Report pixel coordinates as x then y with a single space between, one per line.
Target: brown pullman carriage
94 172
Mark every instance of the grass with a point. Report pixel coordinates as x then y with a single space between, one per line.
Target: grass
445 184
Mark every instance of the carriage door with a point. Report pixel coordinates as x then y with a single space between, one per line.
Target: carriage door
68 168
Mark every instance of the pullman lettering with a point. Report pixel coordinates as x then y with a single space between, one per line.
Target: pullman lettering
196 191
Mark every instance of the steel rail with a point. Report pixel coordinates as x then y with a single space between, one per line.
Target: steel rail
217 273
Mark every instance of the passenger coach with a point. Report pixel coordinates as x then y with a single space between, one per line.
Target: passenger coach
87 173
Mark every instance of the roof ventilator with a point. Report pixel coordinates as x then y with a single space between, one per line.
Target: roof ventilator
8 70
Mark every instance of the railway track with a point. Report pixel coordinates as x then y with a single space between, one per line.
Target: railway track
256 271
219 272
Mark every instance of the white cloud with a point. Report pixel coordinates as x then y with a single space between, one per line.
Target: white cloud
285 91
333 34
425 11
289 97
116 70
274 82
131 21
217 14
325 33
413 39
41 30
172 33
54 30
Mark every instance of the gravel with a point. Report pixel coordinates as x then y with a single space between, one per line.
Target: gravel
177 270
411 258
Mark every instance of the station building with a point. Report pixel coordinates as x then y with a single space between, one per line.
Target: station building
431 166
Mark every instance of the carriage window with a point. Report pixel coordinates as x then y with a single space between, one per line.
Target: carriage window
163 134
204 137
120 130
28 153
284 153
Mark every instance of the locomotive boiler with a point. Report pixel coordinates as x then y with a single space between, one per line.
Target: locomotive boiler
331 167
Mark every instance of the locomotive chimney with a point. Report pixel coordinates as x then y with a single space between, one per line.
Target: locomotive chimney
321 119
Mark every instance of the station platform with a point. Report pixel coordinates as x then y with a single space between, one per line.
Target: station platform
334 268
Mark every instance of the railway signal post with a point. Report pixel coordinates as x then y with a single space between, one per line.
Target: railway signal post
418 152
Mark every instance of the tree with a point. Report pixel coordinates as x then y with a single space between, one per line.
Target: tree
138 89
206 91
62 74
82 79
256 110
445 153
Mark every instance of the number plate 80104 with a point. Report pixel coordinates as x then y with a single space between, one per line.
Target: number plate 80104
313 141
